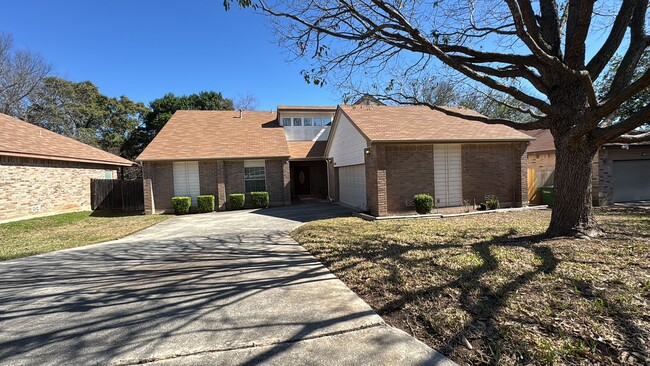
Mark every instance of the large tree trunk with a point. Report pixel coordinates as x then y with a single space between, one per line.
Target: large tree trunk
572 201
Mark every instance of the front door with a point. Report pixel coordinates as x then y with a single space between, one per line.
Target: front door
301 181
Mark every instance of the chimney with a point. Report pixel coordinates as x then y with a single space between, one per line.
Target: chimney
241 113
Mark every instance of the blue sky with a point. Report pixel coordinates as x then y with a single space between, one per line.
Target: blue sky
144 49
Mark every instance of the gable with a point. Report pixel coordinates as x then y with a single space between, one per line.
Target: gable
347 144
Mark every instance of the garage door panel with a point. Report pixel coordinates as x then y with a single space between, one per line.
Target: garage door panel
631 180
352 185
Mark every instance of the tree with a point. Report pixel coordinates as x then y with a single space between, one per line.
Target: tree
247 102
534 52
21 71
162 109
80 111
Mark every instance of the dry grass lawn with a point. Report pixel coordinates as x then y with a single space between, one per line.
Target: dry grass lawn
47 234
494 283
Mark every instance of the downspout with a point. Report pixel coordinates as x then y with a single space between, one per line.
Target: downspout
327 170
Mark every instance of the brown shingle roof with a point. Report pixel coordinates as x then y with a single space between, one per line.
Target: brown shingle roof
420 123
543 143
198 135
307 149
19 138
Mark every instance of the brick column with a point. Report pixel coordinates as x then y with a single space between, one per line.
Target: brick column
221 186
286 178
376 196
147 185
521 196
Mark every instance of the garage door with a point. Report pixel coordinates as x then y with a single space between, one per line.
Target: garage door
352 185
631 180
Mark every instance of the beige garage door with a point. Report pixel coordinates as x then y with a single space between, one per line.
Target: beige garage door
352 185
631 180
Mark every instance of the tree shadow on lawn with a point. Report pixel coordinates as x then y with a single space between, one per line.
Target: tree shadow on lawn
483 302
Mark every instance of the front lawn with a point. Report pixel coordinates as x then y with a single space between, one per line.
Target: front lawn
47 234
495 284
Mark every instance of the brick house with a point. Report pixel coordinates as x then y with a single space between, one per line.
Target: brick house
376 158
42 172
621 172
381 156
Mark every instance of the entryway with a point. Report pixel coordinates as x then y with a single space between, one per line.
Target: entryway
308 178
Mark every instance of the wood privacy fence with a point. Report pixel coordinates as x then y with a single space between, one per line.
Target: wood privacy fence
115 194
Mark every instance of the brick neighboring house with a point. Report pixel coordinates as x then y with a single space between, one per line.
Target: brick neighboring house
383 155
621 172
42 172
377 158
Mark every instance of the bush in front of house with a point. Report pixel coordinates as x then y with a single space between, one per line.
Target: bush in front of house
493 203
205 203
423 203
237 201
181 204
260 199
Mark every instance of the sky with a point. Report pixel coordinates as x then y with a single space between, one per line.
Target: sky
144 49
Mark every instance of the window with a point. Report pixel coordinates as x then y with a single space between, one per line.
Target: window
108 174
186 179
254 176
327 121
297 122
318 121
286 121
306 121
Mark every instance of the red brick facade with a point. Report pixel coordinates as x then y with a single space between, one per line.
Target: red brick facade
396 172
30 187
216 177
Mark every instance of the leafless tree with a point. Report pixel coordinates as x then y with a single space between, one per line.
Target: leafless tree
247 101
21 71
532 51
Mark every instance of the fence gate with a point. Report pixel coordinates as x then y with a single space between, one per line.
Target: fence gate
115 194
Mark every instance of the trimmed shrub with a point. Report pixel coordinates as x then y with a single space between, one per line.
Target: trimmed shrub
181 204
493 203
205 203
237 201
423 203
260 199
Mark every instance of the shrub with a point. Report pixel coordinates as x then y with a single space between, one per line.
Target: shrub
237 201
493 203
205 203
181 204
260 199
423 203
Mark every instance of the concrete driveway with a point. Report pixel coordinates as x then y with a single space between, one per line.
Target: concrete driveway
220 288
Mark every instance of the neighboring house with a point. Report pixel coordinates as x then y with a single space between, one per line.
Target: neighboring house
380 156
621 172
42 172
376 159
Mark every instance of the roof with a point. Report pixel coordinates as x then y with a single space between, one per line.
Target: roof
198 135
306 108
544 141
23 139
307 149
423 124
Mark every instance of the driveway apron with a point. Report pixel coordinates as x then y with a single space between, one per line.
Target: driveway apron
219 288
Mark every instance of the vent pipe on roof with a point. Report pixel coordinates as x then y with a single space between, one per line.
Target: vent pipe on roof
241 113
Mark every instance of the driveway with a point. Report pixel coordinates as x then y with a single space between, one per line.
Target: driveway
219 288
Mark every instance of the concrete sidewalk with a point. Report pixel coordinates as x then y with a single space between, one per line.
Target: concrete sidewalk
222 288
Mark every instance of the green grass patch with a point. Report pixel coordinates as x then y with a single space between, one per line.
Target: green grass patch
47 234
520 298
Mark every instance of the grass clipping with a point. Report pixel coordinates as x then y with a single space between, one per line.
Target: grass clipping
489 289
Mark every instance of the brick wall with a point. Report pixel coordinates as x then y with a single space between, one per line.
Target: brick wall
334 182
493 169
37 186
277 182
409 171
234 178
161 177
208 177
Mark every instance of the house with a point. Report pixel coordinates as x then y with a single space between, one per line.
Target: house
621 172
369 157
42 172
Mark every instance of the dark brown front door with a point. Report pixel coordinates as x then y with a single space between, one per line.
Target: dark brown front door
301 181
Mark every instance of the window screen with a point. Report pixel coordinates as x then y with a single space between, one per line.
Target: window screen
255 179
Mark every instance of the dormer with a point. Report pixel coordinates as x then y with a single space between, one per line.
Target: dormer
306 123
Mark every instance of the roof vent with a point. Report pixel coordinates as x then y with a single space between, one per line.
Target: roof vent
241 113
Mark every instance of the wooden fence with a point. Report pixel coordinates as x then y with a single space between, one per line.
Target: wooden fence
536 180
115 194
